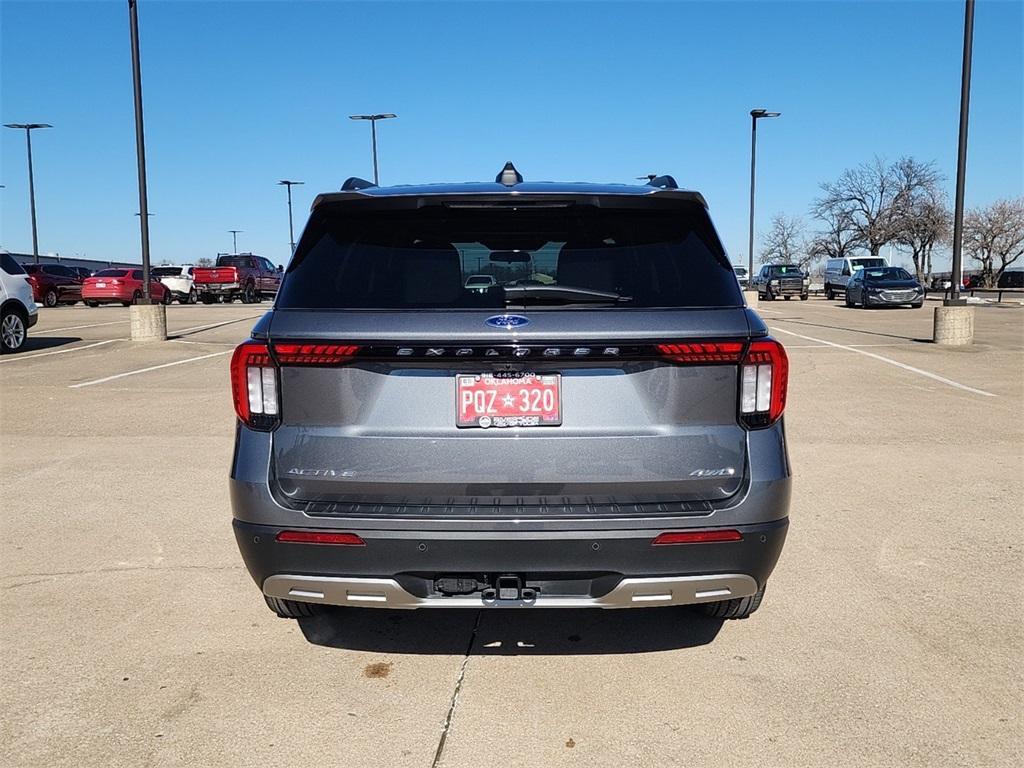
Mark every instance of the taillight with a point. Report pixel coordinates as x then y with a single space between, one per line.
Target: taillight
702 351
764 378
254 385
116 282
254 375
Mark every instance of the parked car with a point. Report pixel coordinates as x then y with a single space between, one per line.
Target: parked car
785 280
243 276
480 282
121 286
741 276
839 271
54 284
884 286
1011 279
178 280
18 309
612 437
82 272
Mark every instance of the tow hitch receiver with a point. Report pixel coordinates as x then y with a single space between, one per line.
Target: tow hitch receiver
509 587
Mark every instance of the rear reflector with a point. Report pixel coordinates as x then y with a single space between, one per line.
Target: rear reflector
320 537
697 537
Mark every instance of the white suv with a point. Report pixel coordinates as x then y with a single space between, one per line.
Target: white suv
18 310
179 282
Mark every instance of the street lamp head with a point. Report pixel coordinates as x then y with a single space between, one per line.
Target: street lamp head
759 113
288 183
27 126
381 116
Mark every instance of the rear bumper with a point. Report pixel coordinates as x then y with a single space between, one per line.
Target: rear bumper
218 289
581 568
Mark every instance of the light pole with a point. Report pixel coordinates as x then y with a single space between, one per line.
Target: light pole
234 239
373 133
140 148
961 158
28 128
291 231
755 115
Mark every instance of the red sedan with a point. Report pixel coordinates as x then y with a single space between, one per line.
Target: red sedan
121 285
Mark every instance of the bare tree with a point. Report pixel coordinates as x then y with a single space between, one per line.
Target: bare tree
838 239
783 243
872 200
994 236
204 261
923 218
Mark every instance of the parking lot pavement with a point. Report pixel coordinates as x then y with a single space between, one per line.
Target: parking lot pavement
890 634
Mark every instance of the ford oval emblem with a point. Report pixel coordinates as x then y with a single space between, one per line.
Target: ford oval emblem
510 322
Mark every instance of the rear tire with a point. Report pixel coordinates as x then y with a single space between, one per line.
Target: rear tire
136 297
167 299
917 306
51 298
292 609
829 293
737 608
804 296
249 294
13 329
92 303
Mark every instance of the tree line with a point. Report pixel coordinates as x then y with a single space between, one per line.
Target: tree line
903 204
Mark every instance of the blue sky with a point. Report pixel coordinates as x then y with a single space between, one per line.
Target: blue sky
241 94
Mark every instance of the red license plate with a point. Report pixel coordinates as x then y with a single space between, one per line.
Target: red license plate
509 400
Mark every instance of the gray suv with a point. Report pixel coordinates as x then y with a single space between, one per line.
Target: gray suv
600 427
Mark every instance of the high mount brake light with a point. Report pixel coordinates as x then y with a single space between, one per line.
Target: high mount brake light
254 375
764 379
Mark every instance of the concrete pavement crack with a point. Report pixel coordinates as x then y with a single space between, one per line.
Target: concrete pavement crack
455 694
88 571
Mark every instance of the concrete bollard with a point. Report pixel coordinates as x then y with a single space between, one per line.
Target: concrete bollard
751 297
149 322
954 325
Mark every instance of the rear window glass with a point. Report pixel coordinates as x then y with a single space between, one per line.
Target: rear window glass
867 262
785 269
111 273
234 261
10 266
486 257
166 271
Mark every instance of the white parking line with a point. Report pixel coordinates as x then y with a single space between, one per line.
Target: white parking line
146 370
56 352
904 366
76 327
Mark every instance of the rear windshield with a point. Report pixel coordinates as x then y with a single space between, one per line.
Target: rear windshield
486 257
234 261
785 269
111 273
166 271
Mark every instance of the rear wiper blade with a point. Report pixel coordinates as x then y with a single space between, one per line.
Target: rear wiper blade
566 293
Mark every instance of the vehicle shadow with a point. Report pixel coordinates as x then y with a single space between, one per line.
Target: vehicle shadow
42 343
511 632
859 330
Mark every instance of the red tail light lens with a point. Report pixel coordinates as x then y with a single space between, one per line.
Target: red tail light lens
314 354
320 537
254 375
702 352
764 379
697 537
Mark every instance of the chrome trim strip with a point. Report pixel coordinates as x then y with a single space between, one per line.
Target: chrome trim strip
631 592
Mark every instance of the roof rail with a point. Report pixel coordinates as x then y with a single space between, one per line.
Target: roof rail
663 182
353 183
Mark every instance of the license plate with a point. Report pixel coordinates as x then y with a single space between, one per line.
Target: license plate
509 400
101 285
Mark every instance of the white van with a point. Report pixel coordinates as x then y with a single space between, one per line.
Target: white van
839 271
